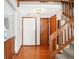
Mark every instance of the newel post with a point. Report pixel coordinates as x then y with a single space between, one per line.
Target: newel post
53 43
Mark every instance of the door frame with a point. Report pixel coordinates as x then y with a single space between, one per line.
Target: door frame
35 30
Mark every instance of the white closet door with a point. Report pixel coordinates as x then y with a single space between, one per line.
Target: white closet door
29 31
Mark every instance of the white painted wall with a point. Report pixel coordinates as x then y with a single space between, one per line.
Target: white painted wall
8 9
49 9
14 3
10 14
11 25
18 31
38 30
11 31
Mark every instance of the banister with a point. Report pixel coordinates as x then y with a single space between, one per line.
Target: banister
60 30
63 41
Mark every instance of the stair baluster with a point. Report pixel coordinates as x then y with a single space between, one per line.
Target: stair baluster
55 48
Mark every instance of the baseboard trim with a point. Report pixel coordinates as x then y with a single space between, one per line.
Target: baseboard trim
19 50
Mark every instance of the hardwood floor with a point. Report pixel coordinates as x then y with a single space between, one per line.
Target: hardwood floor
38 52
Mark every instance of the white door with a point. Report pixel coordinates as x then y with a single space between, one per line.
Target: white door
28 31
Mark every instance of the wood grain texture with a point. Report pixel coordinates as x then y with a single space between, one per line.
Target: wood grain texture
9 48
53 24
53 50
44 31
37 52
53 28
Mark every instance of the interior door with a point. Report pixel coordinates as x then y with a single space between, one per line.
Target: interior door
44 31
28 31
53 24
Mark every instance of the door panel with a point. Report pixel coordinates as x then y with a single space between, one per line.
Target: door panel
53 25
44 31
29 31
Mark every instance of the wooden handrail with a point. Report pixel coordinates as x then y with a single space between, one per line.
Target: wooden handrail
60 30
62 42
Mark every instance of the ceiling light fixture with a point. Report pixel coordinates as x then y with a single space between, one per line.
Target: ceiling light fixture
39 11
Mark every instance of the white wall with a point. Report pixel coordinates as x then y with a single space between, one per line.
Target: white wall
14 3
11 31
48 9
18 31
8 9
38 30
9 13
11 27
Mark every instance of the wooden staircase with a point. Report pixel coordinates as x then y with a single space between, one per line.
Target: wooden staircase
67 36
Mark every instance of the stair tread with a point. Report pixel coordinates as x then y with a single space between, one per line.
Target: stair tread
69 51
60 56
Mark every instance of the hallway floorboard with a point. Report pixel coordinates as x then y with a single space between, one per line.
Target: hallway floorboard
38 52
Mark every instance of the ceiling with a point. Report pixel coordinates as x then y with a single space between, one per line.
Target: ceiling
49 9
